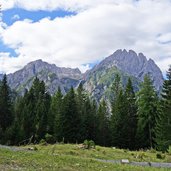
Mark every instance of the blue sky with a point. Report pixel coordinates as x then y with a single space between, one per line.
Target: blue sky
35 16
10 16
81 33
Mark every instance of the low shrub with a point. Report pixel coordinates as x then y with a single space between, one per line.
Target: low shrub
160 156
169 151
89 144
49 138
43 142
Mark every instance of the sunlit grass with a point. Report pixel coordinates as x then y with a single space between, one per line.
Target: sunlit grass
67 157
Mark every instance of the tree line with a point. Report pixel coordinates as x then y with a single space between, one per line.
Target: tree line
130 120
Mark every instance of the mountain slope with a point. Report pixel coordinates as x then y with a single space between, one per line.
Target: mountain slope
127 64
97 81
52 75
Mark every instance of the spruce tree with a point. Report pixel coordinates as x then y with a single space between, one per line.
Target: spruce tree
42 111
103 125
6 115
55 113
90 120
118 113
147 103
87 110
163 128
131 116
17 128
82 105
32 112
70 119
6 110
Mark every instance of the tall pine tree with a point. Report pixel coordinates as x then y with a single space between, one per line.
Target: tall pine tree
55 113
103 125
131 116
70 119
6 107
147 102
163 128
118 114
6 116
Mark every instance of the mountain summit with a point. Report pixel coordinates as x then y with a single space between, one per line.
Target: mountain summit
97 81
52 75
125 63
135 65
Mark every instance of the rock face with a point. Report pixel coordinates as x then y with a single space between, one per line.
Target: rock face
135 65
52 75
97 81
127 64
1 76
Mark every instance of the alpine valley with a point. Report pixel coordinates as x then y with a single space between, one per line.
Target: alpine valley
96 81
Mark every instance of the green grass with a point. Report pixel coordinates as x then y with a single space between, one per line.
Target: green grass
71 158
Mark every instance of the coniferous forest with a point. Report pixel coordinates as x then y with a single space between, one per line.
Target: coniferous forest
132 120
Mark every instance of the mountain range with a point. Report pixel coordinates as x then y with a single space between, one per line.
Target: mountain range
96 81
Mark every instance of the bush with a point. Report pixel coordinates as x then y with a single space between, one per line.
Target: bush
89 144
152 150
169 151
43 142
92 144
49 138
141 156
160 156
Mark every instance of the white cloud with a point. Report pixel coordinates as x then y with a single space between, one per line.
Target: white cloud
50 5
16 17
99 28
9 64
164 64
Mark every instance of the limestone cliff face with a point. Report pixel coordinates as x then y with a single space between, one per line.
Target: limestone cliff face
135 65
52 75
127 64
97 81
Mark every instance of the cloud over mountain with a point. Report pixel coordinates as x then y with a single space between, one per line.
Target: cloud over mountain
96 30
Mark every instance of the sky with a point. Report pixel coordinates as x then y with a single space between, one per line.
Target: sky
80 33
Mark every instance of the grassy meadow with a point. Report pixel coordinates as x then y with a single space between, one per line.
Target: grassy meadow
70 157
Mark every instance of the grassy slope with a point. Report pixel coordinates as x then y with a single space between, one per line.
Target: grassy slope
71 158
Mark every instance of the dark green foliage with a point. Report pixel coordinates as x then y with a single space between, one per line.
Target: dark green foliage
89 123
131 122
31 113
130 110
118 117
147 102
6 115
160 156
70 119
103 125
87 112
6 110
89 144
163 128
55 114
82 106
49 138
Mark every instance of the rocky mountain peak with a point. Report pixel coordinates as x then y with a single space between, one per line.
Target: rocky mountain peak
97 80
39 65
128 64
134 64
52 75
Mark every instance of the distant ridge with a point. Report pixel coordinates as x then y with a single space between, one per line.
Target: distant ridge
97 81
127 64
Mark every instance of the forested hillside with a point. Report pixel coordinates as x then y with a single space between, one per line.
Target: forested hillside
138 120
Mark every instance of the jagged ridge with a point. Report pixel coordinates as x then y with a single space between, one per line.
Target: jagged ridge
97 81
